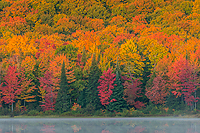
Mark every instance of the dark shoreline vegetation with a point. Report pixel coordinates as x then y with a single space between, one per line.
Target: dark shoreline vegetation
80 113
101 58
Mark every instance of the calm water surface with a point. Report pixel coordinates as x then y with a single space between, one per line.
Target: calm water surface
100 125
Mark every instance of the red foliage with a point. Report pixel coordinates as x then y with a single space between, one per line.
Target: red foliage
10 88
157 91
132 92
123 37
183 80
50 101
46 83
106 86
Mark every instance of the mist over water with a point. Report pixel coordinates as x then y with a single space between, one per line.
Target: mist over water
99 125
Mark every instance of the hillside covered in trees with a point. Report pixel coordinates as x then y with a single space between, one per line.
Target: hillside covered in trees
97 56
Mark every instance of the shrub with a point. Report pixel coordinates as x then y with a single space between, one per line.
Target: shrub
68 113
33 113
76 107
98 113
89 110
109 114
125 113
4 111
137 113
48 112
154 109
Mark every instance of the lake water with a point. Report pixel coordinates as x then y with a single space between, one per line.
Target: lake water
100 125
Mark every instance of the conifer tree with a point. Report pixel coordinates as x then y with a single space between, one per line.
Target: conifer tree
82 99
63 98
92 97
118 95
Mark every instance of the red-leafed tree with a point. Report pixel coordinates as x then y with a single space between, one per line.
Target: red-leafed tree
46 89
106 86
10 87
183 80
157 91
132 92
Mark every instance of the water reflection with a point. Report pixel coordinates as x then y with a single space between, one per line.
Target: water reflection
101 125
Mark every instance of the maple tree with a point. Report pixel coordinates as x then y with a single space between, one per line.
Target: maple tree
10 88
132 92
183 80
130 58
148 36
47 93
19 45
157 91
106 86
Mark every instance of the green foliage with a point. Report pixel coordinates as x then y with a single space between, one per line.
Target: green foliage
142 32
4 111
91 90
186 6
33 113
82 99
154 109
49 112
69 50
63 97
118 94
98 113
125 113
175 103
137 113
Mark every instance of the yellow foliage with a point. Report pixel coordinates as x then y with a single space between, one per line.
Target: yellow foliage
130 57
20 45
28 63
109 56
152 49
75 107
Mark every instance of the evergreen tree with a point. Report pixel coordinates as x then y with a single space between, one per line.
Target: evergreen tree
63 98
118 93
91 91
82 99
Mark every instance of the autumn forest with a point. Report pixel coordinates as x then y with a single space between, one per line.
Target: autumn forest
97 57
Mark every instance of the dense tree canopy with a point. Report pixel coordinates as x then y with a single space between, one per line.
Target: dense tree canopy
157 43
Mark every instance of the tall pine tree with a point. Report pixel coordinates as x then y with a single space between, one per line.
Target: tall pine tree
91 91
118 94
63 97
